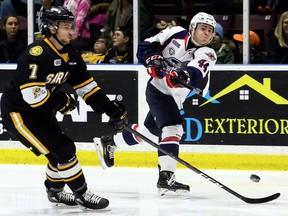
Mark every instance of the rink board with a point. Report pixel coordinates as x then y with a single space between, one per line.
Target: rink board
245 106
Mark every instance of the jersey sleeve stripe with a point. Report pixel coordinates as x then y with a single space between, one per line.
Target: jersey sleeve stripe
32 84
87 88
26 133
91 93
84 83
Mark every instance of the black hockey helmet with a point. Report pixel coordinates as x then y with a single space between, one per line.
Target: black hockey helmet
53 16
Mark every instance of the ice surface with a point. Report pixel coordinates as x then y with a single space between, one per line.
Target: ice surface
132 192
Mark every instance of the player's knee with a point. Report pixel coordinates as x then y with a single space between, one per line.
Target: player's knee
172 130
65 150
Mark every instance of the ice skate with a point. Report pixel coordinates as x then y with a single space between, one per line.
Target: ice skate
167 182
106 150
89 200
60 197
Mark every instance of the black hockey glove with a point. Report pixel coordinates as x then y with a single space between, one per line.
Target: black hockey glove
173 78
67 103
118 116
155 66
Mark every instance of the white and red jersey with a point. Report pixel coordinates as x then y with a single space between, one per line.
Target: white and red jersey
176 47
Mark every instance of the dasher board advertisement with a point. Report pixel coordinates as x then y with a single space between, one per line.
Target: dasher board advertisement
83 124
241 108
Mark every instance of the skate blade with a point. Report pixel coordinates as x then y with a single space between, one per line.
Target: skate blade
89 209
183 193
162 191
178 193
99 151
62 205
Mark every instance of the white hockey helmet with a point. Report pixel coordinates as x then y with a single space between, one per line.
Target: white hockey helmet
202 18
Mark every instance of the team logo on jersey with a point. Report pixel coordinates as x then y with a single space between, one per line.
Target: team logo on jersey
38 92
57 62
36 51
171 51
211 56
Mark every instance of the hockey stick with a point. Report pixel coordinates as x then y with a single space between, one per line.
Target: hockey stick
214 181
192 88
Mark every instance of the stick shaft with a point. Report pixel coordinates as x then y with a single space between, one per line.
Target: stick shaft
214 181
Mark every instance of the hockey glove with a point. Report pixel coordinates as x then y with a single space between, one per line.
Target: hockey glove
156 66
67 103
172 79
118 116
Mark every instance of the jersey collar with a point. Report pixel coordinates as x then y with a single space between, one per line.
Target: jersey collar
64 56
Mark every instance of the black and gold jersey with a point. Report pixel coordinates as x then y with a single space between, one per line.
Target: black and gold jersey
42 70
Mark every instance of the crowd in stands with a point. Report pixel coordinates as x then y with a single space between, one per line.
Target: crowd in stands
103 28
11 41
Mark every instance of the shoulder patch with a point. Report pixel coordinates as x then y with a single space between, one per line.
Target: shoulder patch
36 51
211 56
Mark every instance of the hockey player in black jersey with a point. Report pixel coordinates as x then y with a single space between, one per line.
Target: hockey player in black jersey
30 100
192 61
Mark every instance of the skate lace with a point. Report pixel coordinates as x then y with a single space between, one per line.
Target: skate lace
65 196
91 198
172 180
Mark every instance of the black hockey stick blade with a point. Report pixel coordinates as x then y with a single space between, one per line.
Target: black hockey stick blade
214 181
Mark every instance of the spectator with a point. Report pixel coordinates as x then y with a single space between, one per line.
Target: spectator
122 49
12 43
277 48
271 6
101 46
260 7
6 9
161 25
96 18
255 55
223 47
120 13
17 7
45 4
80 9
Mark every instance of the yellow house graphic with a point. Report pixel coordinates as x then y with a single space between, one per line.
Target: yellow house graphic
263 89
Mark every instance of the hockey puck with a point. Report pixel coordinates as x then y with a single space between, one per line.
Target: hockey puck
255 178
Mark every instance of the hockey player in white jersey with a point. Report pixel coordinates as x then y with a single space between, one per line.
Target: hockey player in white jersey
193 60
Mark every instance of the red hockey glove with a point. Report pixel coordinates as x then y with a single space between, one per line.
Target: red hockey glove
173 77
156 66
